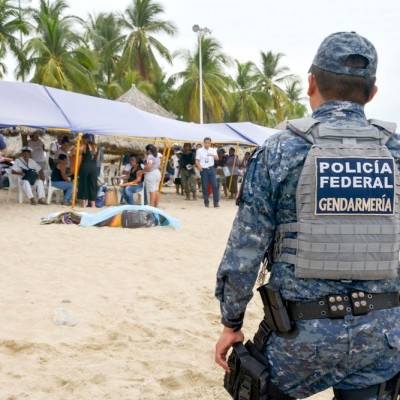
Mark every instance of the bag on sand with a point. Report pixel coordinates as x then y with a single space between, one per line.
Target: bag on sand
111 197
138 219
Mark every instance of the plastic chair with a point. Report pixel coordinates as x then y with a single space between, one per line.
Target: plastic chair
15 184
52 190
140 193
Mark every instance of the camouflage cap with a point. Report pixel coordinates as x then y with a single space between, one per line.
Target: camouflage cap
337 47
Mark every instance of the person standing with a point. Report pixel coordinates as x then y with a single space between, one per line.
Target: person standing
196 170
205 157
63 149
219 166
152 175
87 183
177 172
323 194
3 149
186 168
232 162
54 146
243 165
99 160
37 146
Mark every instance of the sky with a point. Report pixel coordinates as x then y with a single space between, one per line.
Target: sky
292 27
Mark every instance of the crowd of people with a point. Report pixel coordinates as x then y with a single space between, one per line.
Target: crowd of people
208 170
191 168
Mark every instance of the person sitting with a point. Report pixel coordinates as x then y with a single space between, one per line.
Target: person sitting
135 180
64 149
32 175
61 180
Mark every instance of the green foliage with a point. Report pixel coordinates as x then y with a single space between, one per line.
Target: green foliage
215 83
141 21
12 25
118 51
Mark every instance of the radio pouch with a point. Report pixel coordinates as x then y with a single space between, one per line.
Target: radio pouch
248 376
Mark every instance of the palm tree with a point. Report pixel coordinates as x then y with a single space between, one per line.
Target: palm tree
215 83
270 77
11 22
163 91
294 108
57 54
52 9
246 100
105 38
141 19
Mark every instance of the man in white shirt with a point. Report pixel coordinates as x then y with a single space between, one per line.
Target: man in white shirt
205 157
21 166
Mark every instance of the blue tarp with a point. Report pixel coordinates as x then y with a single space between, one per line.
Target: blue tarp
23 104
107 117
28 104
95 218
254 133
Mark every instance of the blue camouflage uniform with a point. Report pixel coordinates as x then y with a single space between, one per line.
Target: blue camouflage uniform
348 353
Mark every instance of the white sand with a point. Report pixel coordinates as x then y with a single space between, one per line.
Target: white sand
144 300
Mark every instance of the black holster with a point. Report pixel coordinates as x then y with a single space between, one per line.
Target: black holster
248 377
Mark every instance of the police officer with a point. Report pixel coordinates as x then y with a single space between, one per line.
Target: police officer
324 193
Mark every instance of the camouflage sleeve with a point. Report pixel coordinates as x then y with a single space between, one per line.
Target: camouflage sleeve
251 234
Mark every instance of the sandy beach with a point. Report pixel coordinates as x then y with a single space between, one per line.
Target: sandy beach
142 303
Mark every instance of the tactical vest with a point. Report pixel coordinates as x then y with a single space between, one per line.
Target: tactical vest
347 202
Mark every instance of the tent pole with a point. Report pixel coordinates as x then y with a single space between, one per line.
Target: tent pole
166 153
78 143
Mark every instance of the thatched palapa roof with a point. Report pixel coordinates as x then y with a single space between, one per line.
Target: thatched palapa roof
143 102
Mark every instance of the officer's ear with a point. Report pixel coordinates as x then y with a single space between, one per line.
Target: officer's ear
312 85
373 93
315 97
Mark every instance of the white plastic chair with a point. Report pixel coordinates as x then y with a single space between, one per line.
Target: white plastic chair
51 189
140 193
15 184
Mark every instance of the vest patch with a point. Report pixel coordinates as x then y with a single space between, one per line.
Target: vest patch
354 186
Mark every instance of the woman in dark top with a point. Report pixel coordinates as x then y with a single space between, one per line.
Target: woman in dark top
60 179
135 180
87 184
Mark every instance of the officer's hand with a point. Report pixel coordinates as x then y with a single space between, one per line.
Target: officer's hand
225 342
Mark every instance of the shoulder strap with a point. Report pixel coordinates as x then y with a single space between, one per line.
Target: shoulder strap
302 127
23 161
388 128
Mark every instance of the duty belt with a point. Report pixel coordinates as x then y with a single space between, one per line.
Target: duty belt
339 305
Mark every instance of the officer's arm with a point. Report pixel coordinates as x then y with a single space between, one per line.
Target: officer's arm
251 234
